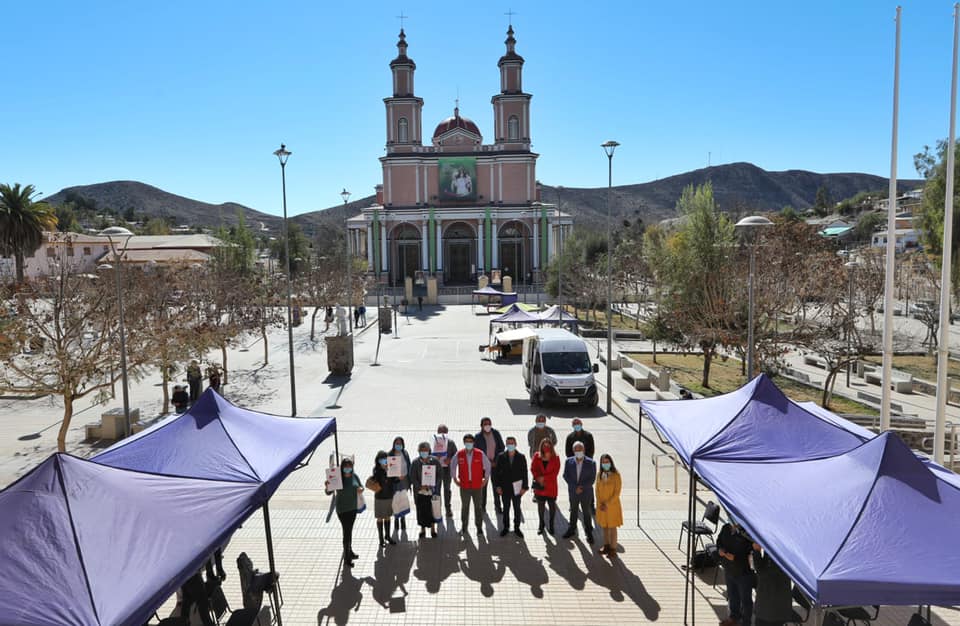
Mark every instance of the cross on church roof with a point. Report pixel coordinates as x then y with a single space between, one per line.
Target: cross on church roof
402 17
510 15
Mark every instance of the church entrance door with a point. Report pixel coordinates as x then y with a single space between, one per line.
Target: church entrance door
511 260
409 260
459 263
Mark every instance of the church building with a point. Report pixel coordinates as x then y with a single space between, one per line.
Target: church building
456 208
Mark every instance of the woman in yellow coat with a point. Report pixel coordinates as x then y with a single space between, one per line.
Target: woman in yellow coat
609 511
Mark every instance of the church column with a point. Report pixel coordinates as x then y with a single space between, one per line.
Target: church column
551 241
370 266
536 243
480 265
384 252
495 261
439 248
424 245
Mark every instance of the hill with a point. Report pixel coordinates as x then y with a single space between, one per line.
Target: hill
738 187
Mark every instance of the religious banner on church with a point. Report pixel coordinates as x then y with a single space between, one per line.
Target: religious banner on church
458 178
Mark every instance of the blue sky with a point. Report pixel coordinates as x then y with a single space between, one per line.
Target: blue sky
193 97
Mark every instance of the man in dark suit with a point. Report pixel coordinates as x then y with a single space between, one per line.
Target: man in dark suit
510 481
580 472
490 442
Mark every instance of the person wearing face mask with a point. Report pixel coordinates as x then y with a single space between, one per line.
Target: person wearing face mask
490 442
444 449
471 471
346 502
579 473
539 432
403 482
545 467
383 499
579 434
423 494
609 509
511 468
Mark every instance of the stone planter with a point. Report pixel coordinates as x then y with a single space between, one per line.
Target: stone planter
386 320
340 355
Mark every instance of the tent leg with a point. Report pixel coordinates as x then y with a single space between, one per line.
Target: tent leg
691 550
639 444
686 579
336 446
273 568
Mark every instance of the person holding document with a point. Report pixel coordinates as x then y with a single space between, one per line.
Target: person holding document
424 474
510 482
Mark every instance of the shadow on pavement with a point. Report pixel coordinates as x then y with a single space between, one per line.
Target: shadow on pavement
344 599
480 566
522 406
437 560
621 582
514 554
391 572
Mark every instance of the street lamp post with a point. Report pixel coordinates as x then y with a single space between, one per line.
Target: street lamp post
748 226
120 233
282 155
851 317
559 254
346 198
608 148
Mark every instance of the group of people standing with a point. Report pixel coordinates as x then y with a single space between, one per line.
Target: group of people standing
487 462
182 398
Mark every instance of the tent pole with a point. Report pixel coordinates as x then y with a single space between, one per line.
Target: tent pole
686 578
273 568
692 545
639 444
336 446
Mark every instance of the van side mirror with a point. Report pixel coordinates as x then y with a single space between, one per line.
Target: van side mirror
536 368
596 368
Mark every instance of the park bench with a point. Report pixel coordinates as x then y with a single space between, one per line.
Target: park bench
112 425
636 378
901 382
667 395
810 359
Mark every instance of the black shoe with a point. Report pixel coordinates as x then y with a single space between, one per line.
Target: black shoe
516 531
540 530
391 541
423 534
449 513
570 534
550 530
353 556
590 538
479 533
433 532
348 563
503 533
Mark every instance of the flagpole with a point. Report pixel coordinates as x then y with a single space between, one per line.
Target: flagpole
943 385
891 247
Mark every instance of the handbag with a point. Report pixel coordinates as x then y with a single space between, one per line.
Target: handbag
373 485
361 503
401 504
437 508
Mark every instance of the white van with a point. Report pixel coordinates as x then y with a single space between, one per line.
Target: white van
556 367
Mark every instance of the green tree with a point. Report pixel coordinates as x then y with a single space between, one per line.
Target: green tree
300 249
156 226
868 222
22 223
67 218
932 166
240 246
821 205
695 266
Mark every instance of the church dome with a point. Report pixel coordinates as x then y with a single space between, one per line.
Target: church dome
454 122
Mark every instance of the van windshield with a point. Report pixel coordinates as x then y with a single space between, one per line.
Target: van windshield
566 363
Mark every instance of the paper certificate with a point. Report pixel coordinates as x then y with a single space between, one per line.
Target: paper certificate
517 487
395 466
429 476
334 478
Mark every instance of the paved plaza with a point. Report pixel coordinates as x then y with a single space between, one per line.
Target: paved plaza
431 372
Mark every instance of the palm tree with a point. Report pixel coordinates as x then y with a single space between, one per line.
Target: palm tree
22 223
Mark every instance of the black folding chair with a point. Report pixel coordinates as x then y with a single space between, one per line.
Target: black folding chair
801 601
918 620
856 615
700 529
253 584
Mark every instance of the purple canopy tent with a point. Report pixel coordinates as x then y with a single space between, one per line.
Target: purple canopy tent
555 315
875 536
754 423
63 521
218 440
513 315
488 292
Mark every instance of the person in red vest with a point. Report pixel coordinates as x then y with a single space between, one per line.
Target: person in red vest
471 471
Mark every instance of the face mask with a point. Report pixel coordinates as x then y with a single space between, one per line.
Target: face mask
511 447
487 429
423 454
578 454
606 466
468 446
541 425
383 462
348 470
577 427
398 447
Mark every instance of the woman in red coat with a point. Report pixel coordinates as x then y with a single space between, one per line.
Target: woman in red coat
545 468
